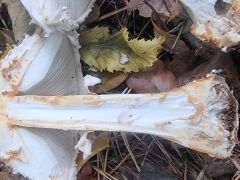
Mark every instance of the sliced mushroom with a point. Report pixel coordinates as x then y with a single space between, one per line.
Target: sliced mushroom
39 132
222 29
40 66
201 115
60 15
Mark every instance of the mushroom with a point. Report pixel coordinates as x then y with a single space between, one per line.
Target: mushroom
221 28
44 106
46 63
201 115
39 130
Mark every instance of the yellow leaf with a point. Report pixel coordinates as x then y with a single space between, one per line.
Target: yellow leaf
116 52
5 51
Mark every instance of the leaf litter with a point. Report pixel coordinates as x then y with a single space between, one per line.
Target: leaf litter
149 50
116 52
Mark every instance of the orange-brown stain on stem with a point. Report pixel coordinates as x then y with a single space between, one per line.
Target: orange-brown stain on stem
70 100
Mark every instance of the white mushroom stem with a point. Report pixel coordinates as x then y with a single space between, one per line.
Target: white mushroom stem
201 115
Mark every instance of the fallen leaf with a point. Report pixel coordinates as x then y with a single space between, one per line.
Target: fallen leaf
169 44
145 10
218 167
176 9
86 173
151 80
100 143
207 52
219 61
182 63
192 41
109 80
116 52
7 37
167 8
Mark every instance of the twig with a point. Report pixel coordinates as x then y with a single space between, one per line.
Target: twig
105 174
129 91
103 1
178 37
144 27
201 174
3 21
105 160
176 28
185 170
116 141
125 21
101 159
98 177
114 149
145 156
125 90
119 164
150 6
140 139
161 147
112 13
134 25
176 149
235 163
127 156
117 17
129 150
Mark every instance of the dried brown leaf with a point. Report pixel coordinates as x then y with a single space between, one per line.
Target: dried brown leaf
218 167
86 173
207 52
160 29
191 40
145 10
219 61
151 80
182 63
175 8
109 80
167 8
7 37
